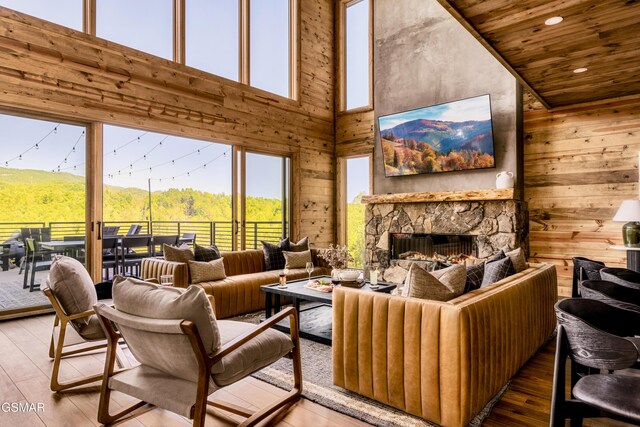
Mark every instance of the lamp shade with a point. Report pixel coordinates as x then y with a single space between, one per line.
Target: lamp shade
629 210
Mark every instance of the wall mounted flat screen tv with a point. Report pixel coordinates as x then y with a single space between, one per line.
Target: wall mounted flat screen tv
447 137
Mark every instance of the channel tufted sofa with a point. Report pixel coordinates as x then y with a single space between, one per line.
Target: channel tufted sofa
442 361
240 292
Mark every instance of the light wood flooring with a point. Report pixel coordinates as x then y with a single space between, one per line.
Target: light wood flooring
25 368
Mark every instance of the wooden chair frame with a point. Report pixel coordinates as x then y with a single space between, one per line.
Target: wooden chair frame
205 364
56 350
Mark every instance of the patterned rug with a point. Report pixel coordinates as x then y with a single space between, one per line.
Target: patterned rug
13 296
318 387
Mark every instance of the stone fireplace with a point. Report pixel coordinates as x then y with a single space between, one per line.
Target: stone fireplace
494 218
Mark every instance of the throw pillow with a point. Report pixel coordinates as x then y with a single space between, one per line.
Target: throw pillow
517 259
495 257
296 259
174 254
146 299
273 256
422 284
475 274
206 271
453 277
301 246
496 271
72 286
205 254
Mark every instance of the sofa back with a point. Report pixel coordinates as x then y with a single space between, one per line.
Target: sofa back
442 361
243 262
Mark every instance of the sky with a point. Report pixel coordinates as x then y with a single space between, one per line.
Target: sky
477 108
212 48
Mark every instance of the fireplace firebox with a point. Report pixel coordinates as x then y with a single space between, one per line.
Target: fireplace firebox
420 247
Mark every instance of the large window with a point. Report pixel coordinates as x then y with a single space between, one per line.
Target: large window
138 24
269 53
213 48
42 205
357 51
63 12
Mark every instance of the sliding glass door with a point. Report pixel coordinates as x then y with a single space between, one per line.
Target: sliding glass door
42 206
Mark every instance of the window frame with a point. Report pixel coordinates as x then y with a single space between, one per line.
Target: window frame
341 194
342 56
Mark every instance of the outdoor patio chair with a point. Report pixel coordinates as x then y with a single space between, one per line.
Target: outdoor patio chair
110 230
36 260
38 234
595 336
110 256
188 238
72 295
132 250
612 294
185 354
134 229
158 241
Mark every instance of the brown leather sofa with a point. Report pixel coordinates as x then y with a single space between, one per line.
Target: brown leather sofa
442 361
240 292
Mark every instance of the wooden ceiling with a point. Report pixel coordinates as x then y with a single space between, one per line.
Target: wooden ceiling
603 36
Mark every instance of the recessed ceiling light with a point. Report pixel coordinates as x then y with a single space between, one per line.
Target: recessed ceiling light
580 70
554 20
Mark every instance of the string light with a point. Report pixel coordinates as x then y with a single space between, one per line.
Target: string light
137 138
73 150
34 146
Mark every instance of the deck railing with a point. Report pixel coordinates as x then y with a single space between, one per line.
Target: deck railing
219 233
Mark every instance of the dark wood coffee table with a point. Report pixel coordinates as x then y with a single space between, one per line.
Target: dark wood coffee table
315 319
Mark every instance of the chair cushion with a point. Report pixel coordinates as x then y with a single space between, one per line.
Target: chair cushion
252 356
621 276
517 259
615 394
72 286
206 254
301 246
448 284
145 299
296 259
172 253
273 256
92 330
207 271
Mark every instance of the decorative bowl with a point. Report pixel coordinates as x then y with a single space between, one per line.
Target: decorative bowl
349 275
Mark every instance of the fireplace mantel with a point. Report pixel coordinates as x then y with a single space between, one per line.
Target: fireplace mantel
443 196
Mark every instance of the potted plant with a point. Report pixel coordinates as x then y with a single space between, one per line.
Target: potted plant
337 257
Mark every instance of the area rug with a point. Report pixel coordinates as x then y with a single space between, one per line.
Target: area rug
12 294
318 387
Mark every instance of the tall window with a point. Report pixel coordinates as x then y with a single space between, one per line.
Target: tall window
212 48
63 12
269 51
357 186
167 185
356 54
138 24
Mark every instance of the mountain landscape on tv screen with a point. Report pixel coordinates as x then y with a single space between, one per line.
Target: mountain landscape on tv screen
426 146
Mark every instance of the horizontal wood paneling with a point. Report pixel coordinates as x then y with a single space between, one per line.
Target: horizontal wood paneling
354 133
52 71
580 164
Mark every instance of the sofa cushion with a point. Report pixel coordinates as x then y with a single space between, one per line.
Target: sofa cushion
448 284
475 274
301 246
273 256
496 271
517 259
175 254
72 286
206 271
145 299
296 259
205 254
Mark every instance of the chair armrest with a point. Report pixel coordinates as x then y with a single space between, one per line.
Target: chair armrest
153 268
242 339
87 313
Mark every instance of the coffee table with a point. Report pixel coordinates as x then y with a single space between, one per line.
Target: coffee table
314 319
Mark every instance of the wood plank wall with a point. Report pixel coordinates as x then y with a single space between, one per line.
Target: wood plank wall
51 71
354 133
580 163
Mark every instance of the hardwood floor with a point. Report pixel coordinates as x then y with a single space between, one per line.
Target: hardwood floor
25 368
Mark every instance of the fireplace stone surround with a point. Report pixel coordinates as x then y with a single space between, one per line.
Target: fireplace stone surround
497 224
